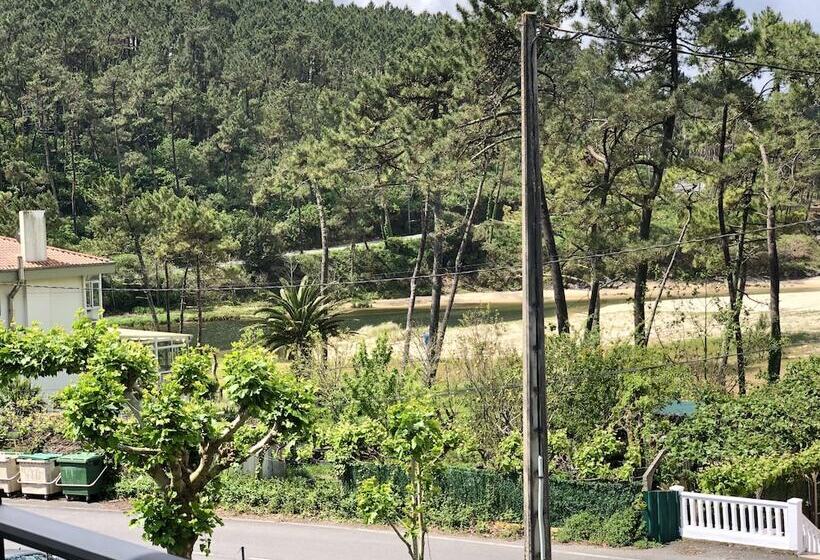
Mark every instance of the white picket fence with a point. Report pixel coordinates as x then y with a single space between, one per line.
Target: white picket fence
811 537
764 523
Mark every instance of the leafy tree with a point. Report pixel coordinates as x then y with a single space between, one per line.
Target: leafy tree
415 442
771 421
178 430
197 237
296 316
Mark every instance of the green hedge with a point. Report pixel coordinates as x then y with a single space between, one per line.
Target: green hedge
468 495
466 498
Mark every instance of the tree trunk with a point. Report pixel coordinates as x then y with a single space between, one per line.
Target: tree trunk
594 306
658 170
411 305
666 276
740 290
116 129
174 150
167 298
73 184
775 349
198 302
436 278
724 241
641 273
465 238
182 298
559 296
146 281
323 272
47 154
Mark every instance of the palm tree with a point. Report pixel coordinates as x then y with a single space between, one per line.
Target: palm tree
296 316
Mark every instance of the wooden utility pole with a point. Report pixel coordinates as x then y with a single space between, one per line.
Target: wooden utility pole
536 481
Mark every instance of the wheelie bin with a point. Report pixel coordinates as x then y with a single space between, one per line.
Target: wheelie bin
81 475
9 473
39 475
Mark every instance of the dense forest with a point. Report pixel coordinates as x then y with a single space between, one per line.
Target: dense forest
212 143
301 159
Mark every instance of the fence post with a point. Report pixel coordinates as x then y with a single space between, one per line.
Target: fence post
681 513
794 524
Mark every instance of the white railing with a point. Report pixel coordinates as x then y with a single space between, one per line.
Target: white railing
765 523
810 535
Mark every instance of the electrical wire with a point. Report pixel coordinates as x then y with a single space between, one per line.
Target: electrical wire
684 51
572 258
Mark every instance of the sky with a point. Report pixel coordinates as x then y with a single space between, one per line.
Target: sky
791 9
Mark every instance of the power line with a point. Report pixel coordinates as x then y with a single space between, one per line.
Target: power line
477 269
684 51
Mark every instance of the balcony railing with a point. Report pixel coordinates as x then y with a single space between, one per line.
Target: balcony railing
67 541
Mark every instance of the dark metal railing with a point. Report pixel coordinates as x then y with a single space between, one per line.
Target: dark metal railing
67 541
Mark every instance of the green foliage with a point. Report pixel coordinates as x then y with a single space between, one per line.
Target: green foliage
771 421
603 402
191 370
491 374
379 502
24 423
415 442
92 409
177 431
172 523
594 458
32 353
508 459
622 528
578 527
747 477
374 385
350 442
465 499
296 316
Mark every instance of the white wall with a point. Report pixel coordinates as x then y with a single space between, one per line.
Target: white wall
50 307
55 305
19 305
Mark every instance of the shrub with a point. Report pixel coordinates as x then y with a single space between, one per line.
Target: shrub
578 527
622 528
464 499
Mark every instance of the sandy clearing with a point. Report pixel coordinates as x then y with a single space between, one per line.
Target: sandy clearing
676 319
674 290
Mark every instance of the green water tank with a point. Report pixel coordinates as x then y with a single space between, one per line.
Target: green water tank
82 475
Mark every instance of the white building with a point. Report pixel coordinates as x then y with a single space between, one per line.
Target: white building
48 286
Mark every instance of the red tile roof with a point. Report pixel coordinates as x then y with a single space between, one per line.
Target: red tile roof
57 258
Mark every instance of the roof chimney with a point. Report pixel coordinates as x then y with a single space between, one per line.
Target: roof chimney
33 235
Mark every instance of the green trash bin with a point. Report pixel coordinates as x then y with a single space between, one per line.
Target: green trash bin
662 515
81 475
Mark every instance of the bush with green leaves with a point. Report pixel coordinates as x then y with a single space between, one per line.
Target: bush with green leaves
416 443
578 527
623 528
178 429
602 401
357 429
34 352
733 442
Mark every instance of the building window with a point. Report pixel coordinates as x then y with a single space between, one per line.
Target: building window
93 292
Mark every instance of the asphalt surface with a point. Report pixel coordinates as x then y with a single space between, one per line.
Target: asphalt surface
281 540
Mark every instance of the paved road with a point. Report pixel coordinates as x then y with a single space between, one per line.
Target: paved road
276 540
